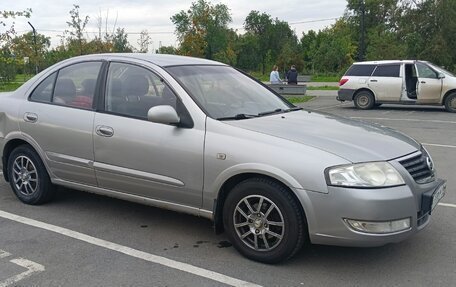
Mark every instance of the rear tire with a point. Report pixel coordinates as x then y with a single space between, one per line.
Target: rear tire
364 100
28 176
263 221
450 103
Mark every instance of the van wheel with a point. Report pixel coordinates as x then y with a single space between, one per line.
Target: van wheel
263 221
28 176
364 100
450 103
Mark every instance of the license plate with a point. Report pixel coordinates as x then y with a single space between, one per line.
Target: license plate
437 196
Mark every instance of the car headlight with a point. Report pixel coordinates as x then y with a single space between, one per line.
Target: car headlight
370 174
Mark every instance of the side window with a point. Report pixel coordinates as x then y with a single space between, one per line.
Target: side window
75 85
425 72
43 92
133 90
387 71
360 70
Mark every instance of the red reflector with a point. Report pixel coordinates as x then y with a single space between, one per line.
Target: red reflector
342 81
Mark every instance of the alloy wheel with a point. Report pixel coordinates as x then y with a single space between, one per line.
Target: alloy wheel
25 176
259 223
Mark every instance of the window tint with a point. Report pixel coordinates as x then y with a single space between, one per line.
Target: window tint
43 92
387 71
133 90
75 86
360 70
425 72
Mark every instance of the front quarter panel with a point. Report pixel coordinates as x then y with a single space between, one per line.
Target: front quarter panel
230 151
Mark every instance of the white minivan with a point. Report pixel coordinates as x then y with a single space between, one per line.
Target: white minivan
370 84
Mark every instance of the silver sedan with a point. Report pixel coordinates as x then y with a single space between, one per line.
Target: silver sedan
200 137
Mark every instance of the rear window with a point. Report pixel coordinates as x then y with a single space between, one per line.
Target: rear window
360 70
387 71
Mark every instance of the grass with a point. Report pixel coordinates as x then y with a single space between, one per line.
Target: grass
8 87
323 88
325 78
259 76
297 100
22 78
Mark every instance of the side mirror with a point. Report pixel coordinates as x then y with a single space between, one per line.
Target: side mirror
441 75
163 115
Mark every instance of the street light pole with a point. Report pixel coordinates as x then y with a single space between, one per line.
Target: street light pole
362 30
35 48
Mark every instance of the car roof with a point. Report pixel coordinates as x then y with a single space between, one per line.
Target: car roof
385 62
162 60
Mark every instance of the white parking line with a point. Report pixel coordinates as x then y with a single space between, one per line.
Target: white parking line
4 254
330 107
130 251
440 145
405 120
447 205
31 267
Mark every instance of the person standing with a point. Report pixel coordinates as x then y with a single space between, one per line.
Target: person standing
292 76
274 77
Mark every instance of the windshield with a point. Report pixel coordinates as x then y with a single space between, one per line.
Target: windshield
440 69
225 93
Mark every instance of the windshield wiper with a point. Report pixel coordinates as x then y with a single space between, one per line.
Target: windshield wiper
271 112
293 109
238 117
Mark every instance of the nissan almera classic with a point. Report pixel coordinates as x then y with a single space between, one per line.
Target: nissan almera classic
200 137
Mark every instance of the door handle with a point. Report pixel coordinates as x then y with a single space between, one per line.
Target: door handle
104 131
30 117
423 82
374 81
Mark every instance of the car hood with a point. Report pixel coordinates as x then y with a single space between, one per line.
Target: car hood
355 141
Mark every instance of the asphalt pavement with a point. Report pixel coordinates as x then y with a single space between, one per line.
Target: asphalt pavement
82 239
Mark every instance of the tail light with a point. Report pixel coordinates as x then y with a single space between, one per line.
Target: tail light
343 81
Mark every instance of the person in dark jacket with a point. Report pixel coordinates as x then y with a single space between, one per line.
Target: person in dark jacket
292 76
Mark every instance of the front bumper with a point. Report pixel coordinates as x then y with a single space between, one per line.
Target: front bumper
326 213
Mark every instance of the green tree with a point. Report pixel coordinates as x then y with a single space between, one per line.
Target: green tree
203 30
8 60
8 34
120 42
144 41
77 27
260 25
24 46
167 50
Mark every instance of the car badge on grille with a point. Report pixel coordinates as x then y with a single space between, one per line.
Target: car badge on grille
429 163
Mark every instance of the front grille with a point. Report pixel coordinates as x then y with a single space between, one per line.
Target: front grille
419 168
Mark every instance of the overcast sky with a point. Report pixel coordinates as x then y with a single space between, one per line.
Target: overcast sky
154 15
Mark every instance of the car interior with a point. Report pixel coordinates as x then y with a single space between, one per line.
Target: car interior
411 80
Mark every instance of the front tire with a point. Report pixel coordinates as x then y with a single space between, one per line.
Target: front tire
28 176
263 221
364 100
450 103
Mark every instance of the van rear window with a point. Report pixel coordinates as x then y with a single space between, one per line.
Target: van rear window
360 70
387 71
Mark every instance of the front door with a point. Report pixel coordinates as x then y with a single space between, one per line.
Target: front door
59 119
429 85
139 157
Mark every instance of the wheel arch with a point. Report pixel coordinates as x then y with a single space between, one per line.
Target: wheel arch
228 185
8 149
447 94
364 90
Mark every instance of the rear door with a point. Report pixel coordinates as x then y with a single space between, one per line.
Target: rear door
386 82
429 85
59 119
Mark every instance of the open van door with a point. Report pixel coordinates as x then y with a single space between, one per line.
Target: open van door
429 85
